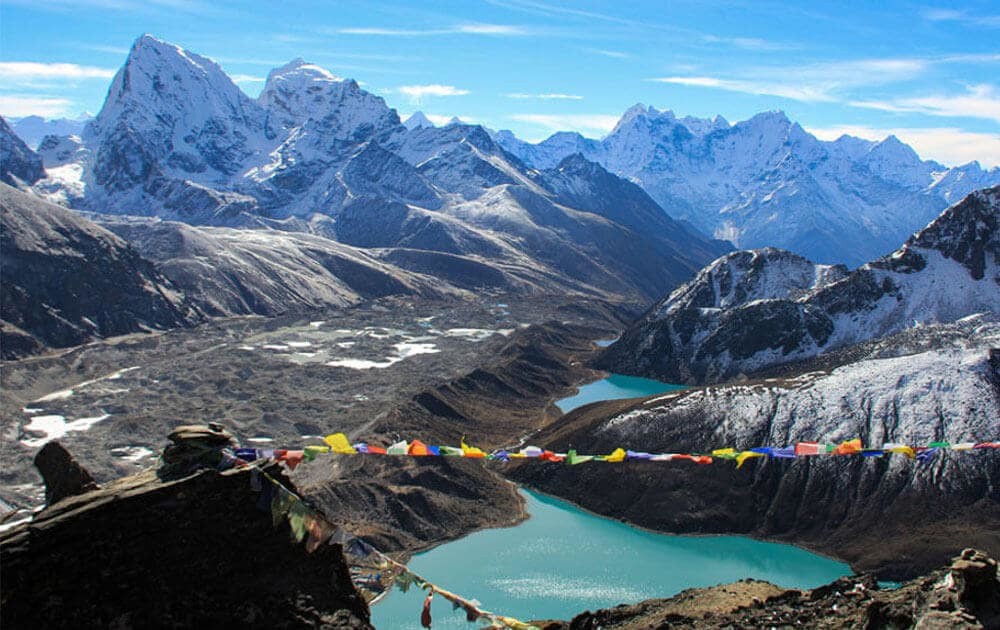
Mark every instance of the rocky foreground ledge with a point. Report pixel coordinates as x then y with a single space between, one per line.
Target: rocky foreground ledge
964 595
195 551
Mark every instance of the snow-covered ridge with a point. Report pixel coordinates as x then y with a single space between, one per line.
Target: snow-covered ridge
753 310
766 181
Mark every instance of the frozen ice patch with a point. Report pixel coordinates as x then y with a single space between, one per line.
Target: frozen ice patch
299 344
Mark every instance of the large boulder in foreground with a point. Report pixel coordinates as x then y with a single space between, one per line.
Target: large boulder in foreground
193 552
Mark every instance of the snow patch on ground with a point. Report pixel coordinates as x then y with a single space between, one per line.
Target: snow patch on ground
132 453
66 393
44 429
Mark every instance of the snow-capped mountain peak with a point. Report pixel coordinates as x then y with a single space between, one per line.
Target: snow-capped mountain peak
300 91
417 120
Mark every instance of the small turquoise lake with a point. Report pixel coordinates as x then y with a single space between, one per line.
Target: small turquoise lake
562 560
614 387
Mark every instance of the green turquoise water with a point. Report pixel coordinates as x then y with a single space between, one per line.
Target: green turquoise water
562 561
615 387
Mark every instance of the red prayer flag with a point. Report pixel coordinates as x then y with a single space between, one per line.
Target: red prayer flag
807 448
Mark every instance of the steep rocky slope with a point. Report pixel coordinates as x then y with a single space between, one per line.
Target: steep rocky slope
66 280
767 182
965 594
938 382
750 311
19 165
141 552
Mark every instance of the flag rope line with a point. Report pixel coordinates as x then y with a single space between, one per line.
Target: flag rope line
337 443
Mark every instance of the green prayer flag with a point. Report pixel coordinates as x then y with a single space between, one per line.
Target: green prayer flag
572 458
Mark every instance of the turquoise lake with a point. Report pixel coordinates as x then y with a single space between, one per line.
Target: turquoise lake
562 560
615 387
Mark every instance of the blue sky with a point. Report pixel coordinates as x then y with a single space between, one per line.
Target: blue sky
928 72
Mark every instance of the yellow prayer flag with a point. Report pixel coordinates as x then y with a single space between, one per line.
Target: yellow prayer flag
617 455
745 455
725 453
905 450
471 451
338 442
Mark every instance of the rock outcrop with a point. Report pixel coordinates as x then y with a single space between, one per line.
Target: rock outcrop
192 552
63 475
963 595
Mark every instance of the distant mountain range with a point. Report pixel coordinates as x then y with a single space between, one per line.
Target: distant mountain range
767 182
177 140
33 129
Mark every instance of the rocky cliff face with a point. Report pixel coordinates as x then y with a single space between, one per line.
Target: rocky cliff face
19 165
750 311
141 552
66 280
937 382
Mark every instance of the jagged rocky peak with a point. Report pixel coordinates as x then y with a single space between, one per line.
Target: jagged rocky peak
418 120
967 233
299 92
746 275
19 165
170 111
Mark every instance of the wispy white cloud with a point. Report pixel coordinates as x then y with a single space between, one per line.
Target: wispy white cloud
785 90
27 71
472 28
954 15
419 92
945 144
246 78
588 124
16 106
550 96
978 101
810 83
111 50
751 43
614 54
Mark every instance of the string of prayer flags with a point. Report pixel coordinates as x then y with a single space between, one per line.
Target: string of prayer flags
338 443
